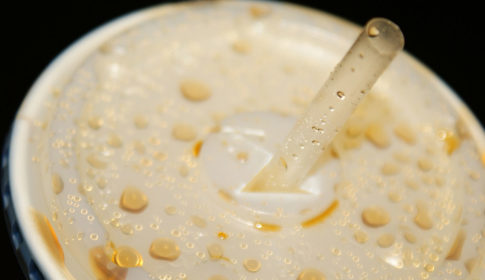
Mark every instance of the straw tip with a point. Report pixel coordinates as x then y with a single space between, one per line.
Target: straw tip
385 35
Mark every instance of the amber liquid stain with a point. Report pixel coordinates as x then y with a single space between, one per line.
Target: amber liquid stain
222 235
196 148
103 267
322 216
49 236
267 227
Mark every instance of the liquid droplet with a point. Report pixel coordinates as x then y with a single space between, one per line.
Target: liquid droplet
133 200
311 274
252 265
373 32
341 95
215 251
165 249
127 257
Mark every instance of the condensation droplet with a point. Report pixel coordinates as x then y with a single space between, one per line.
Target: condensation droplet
252 265
341 95
165 249
373 32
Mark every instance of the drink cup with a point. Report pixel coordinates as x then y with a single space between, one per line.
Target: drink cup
129 156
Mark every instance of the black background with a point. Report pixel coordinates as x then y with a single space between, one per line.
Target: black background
445 37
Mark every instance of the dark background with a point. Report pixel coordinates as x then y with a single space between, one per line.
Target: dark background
444 37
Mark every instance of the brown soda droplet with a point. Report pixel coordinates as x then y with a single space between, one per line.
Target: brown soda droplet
385 240
198 221
375 216
215 251
361 237
114 141
133 200
405 133
95 123
376 134
95 162
422 218
159 156
170 210
218 277
139 147
127 257
140 122
252 265
165 249
184 132
57 183
425 164
241 46
354 129
389 169
411 238
341 95
311 274
102 265
373 32
195 91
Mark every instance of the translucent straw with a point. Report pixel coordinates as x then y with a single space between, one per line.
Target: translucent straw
350 81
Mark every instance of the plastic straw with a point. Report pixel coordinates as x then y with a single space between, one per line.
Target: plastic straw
351 80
